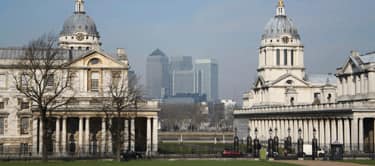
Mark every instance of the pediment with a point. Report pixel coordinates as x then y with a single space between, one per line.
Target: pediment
96 59
289 80
350 66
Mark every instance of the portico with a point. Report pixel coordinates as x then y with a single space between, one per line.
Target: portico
91 133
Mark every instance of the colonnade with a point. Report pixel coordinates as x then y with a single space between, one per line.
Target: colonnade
344 130
61 139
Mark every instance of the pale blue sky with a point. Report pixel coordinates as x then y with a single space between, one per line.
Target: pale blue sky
228 30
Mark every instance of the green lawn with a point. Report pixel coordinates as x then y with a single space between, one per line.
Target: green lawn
148 163
364 162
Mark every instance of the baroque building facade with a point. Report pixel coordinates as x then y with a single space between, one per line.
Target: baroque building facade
81 127
284 98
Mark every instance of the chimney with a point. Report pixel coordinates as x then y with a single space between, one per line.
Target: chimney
354 53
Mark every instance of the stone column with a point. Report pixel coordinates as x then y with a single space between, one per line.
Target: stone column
310 133
295 131
300 126
132 134
109 138
80 135
148 135
63 135
87 135
346 134
155 139
35 135
40 136
340 136
305 131
344 86
327 134
57 142
354 141
282 132
363 90
333 131
360 130
371 82
104 137
321 140
126 134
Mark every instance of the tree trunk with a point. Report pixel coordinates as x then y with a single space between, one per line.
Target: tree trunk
118 139
44 137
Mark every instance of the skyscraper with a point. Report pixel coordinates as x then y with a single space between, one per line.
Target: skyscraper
157 75
206 78
182 75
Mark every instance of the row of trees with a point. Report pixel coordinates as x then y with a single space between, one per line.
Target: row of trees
43 75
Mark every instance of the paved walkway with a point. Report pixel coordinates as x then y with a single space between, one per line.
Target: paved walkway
317 163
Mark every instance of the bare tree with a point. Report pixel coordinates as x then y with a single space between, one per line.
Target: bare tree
43 78
124 94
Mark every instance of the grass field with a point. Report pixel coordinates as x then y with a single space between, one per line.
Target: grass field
364 162
147 163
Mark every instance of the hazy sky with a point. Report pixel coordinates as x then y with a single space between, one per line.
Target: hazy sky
227 30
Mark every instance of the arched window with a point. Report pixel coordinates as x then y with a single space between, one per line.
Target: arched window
285 57
329 97
292 101
278 57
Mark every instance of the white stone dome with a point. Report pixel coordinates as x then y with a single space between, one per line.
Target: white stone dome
278 26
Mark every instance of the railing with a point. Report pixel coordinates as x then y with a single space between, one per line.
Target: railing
296 108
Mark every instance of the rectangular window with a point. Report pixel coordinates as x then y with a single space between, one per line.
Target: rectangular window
50 80
292 57
25 105
2 105
24 80
116 76
3 80
24 126
278 57
2 126
285 57
94 81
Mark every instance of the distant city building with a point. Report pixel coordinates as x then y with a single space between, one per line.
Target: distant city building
182 75
206 78
157 75
183 98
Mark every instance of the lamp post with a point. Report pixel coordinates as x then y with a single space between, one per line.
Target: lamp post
256 144
236 141
314 145
270 144
300 144
276 142
249 142
289 141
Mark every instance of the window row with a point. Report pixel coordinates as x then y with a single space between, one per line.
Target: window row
24 125
285 57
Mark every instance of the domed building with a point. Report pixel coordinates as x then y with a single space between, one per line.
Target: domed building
79 31
286 100
83 127
281 70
